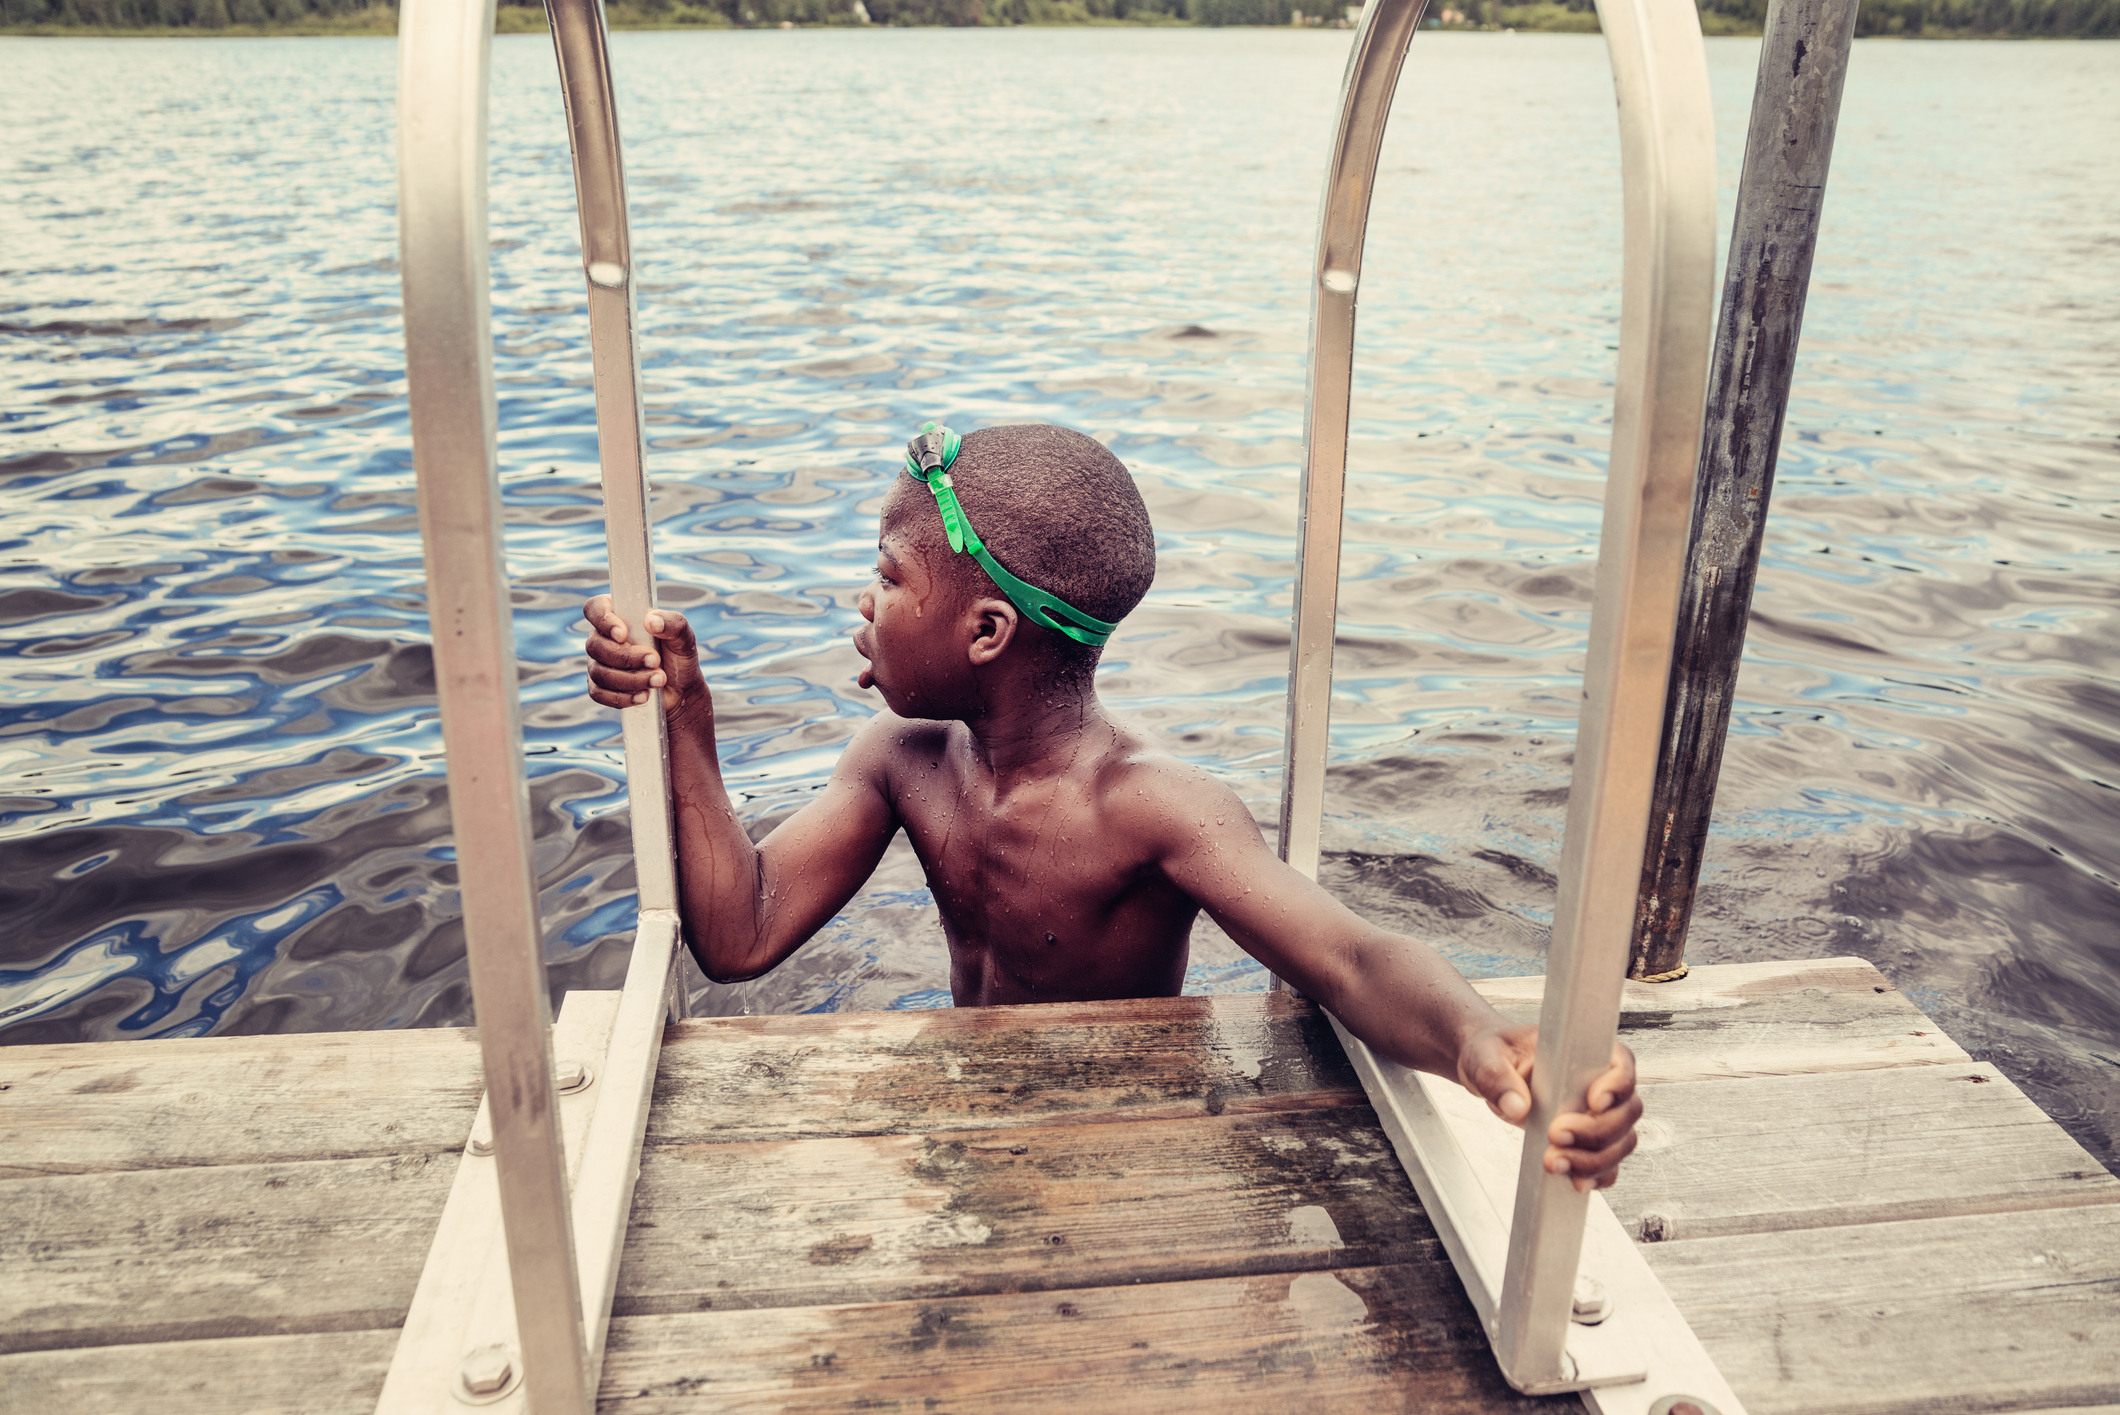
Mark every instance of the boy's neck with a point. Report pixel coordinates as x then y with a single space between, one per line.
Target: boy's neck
1035 728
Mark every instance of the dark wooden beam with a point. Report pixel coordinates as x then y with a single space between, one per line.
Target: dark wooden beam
1795 107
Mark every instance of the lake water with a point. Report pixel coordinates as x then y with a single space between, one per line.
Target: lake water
221 804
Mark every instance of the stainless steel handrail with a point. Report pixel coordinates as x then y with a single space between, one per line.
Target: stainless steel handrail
579 40
604 1192
444 48
1380 44
1667 162
1667 158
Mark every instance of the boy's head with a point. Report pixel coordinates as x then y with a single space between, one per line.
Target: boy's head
1055 508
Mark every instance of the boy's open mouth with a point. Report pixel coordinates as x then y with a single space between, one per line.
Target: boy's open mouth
867 679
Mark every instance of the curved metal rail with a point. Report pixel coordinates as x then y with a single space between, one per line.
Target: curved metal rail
1667 161
444 52
578 38
1343 227
603 1196
498 1315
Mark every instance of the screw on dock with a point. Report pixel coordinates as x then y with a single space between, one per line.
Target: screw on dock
1592 1303
486 1370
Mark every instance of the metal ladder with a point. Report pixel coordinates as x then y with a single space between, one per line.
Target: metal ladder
1567 1301
530 1240
514 1304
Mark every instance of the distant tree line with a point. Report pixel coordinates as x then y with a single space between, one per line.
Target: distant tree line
2047 18
2050 19
173 14
2054 19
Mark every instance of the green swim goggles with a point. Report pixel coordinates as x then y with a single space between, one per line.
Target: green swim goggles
928 459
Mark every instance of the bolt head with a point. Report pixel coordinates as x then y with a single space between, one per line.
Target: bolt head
1682 1405
1592 1303
486 1370
570 1076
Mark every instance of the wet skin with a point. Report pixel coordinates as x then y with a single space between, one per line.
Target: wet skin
1068 856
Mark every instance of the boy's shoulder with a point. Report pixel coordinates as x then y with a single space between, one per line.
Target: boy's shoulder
1160 802
1132 778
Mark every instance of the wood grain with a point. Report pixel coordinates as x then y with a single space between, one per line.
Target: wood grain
1997 1312
94 1106
1856 1147
884 1218
1739 1020
318 1373
235 1250
757 1078
1372 1339
753 1078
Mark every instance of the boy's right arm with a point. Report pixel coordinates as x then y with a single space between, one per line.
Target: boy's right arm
745 907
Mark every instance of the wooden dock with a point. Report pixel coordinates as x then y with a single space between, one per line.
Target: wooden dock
1175 1205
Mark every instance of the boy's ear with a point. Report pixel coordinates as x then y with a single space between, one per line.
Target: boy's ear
994 629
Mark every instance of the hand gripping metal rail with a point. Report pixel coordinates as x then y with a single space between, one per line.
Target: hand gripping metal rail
553 1156
1517 1234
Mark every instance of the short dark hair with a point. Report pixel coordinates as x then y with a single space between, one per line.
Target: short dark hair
1056 508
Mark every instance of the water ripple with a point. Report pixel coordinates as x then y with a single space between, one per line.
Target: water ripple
221 803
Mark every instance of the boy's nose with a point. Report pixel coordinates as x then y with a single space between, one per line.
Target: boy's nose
867 605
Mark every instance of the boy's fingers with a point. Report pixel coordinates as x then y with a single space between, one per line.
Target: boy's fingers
1495 1079
1599 1166
616 680
1593 1131
623 674
604 619
616 655
671 631
1616 1084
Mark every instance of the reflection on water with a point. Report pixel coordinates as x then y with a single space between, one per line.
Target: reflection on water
223 807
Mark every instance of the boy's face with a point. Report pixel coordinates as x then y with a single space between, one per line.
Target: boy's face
913 640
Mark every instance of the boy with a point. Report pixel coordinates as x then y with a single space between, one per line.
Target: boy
1068 856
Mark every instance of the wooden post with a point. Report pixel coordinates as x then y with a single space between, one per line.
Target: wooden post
1795 106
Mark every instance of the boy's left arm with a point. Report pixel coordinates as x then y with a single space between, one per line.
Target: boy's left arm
1397 995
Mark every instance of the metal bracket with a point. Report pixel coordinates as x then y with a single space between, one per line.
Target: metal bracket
464 1307
1463 1163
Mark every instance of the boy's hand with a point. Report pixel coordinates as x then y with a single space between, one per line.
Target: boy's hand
1494 1066
622 672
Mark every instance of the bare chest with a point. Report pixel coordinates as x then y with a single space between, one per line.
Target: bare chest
1020 865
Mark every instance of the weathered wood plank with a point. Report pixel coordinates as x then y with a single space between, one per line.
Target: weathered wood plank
750 1078
754 1078
318 1373
884 1218
1369 1339
1737 1020
236 1250
1999 1312
1852 1147
84 1107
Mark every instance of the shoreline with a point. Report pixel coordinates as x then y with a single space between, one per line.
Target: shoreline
380 22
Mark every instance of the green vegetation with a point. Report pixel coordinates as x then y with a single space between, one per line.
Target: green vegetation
1909 18
1942 19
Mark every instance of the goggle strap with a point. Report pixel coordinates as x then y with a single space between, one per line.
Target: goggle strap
928 459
